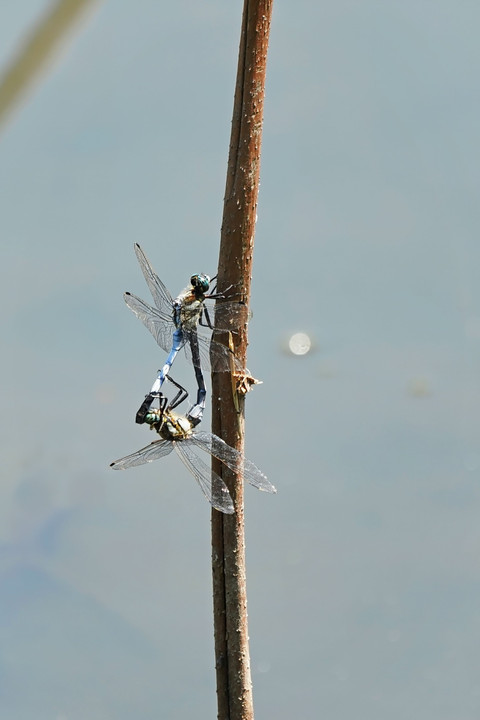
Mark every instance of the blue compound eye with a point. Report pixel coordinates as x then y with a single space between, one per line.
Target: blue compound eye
202 282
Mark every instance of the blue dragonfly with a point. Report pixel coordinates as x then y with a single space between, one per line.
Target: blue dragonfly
177 432
177 323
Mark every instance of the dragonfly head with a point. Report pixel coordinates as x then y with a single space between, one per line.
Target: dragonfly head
200 283
154 417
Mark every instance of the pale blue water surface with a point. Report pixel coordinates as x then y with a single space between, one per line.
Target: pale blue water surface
363 571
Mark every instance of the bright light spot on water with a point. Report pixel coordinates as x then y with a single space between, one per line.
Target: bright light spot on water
299 344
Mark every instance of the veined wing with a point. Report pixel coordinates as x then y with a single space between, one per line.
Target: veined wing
162 298
160 325
210 483
232 459
156 449
228 315
213 355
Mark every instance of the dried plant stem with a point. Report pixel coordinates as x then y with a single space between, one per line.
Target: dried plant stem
37 49
234 686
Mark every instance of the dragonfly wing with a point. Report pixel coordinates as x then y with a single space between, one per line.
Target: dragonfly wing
159 324
222 359
162 298
228 315
233 460
156 449
213 355
210 483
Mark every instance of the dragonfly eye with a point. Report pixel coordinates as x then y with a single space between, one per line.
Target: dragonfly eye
200 282
152 417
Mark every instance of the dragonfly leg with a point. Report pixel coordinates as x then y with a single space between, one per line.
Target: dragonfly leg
181 395
147 404
208 322
221 296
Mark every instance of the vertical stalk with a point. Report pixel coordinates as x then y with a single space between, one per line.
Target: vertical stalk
234 685
36 51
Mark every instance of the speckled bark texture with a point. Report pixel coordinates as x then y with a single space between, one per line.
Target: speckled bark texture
234 685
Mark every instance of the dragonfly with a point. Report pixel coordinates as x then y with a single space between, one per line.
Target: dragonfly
175 323
178 433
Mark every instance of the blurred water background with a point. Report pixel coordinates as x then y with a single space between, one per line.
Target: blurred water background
363 571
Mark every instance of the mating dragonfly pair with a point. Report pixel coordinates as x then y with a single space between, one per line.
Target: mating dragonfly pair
176 324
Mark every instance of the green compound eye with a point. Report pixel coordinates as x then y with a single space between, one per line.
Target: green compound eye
202 282
152 417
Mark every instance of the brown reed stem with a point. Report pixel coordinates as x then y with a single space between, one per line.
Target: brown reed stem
234 685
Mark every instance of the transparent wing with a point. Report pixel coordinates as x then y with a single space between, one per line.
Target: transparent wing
232 459
162 298
156 449
160 325
213 355
228 315
210 483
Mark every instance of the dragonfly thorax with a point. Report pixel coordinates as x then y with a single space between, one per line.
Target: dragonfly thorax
187 309
169 425
175 427
190 314
194 295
